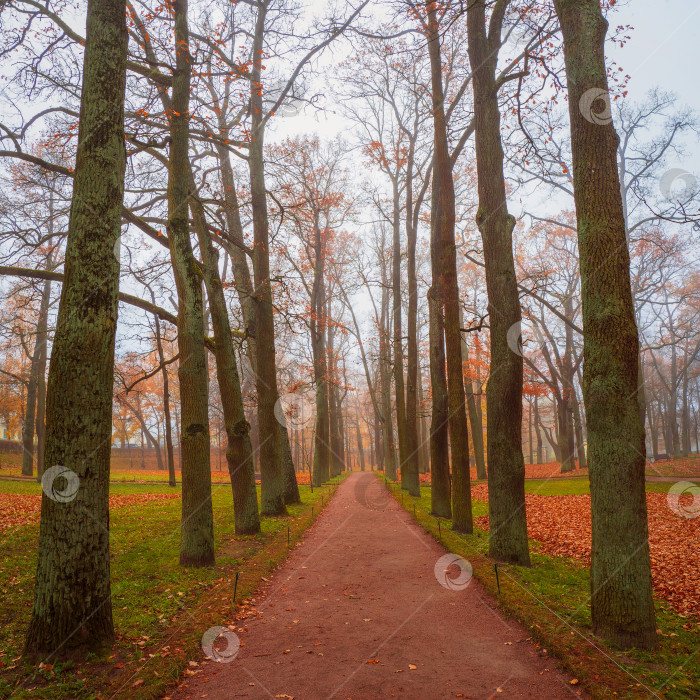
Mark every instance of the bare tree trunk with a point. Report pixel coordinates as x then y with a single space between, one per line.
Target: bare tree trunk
236 248
197 529
538 434
504 392
622 607
529 430
239 452
567 372
41 399
169 452
29 416
565 447
385 380
685 416
424 448
271 472
443 223
358 434
336 444
412 480
578 429
72 599
34 415
146 435
322 436
474 417
440 491
397 344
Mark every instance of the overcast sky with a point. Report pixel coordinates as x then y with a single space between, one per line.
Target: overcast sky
663 50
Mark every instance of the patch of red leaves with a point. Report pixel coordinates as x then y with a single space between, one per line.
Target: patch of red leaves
562 524
532 471
549 469
687 466
22 509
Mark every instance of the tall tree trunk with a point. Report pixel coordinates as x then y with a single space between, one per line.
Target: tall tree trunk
504 392
337 437
197 528
440 491
358 434
474 417
34 415
385 364
529 432
654 430
271 472
397 344
411 467
322 437
622 607
538 434
443 224
29 415
378 444
566 449
239 452
72 600
289 474
685 416
567 371
146 436
336 444
235 246
42 337
41 396
169 452
578 429
424 448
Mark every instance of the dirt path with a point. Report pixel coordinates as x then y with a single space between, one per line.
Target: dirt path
357 611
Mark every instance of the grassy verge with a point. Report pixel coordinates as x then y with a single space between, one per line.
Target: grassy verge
161 611
552 600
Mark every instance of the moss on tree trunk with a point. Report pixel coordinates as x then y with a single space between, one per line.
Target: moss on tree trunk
72 599
504 391
443 232
197 527
239 451
622 608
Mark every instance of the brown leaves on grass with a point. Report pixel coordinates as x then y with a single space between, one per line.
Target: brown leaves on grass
562 524
22 509
18 509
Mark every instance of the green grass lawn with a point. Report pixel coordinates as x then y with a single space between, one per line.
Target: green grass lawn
552 599
160 610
